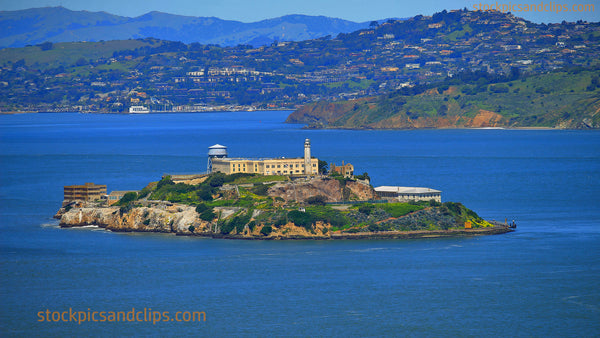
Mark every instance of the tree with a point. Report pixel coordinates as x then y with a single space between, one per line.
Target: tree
81 62
374 24
266 230
317 200
364 176
128 197
323 167
165 181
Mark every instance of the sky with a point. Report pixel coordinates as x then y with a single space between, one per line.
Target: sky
353 10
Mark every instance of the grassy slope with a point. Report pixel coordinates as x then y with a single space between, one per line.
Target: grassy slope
558 99
67 53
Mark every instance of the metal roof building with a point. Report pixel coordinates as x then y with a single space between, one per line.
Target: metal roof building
406 194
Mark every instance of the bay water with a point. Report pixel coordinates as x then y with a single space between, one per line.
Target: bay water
541 280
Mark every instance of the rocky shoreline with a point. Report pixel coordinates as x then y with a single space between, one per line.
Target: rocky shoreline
182 220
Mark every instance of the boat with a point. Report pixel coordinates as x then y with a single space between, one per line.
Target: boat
138 110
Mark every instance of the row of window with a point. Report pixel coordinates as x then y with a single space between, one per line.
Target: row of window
285 165
285 172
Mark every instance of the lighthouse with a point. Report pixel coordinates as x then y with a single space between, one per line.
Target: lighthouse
307 166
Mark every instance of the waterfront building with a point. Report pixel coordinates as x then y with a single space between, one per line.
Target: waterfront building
86 192
407 194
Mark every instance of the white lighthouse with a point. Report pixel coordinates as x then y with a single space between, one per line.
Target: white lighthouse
307 161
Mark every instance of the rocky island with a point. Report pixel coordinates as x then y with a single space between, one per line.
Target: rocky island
253 206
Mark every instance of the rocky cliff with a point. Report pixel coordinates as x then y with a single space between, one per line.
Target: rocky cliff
160 218
332 189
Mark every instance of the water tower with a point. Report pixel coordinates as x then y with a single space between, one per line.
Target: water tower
216 151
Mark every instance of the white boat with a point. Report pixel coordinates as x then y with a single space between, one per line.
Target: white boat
138 110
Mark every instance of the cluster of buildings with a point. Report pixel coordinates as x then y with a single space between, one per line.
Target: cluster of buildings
91 192
218 161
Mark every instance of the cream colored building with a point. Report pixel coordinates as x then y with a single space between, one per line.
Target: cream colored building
306 165
86 192
270 166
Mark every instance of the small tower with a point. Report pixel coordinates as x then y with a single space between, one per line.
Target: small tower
307 164
216 151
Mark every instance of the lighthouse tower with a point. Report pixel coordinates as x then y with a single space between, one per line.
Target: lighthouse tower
307 166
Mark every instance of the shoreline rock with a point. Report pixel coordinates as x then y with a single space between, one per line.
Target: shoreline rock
182 220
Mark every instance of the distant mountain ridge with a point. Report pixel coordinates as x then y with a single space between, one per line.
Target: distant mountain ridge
58 24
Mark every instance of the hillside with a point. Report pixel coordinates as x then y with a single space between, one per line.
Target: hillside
58 24
555 100
405 55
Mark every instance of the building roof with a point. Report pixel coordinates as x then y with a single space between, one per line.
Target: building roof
217 146
406 190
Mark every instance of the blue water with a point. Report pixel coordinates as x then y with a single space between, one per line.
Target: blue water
539 281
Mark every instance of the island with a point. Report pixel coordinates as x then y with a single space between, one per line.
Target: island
277 198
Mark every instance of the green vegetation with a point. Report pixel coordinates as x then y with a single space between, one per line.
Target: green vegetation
400 209
242 178
315 214
206 212
249 207
317 200
127 198
363 176
266 230
303 219
238 223
67 53
260 189
565 99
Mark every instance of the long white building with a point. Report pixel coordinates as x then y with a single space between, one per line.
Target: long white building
406 194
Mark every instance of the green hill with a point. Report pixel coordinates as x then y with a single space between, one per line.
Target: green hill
48 55
566 99
59 24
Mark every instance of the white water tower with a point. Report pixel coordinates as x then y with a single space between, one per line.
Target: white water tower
216 151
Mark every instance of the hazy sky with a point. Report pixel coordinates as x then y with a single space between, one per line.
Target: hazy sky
354 10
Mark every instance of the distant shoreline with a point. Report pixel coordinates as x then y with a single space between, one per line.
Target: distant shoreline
150 113
287 109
